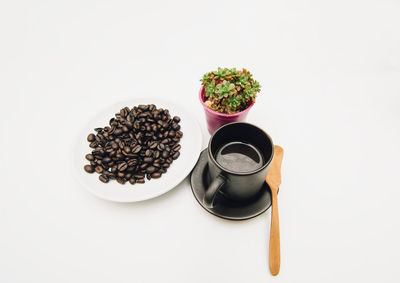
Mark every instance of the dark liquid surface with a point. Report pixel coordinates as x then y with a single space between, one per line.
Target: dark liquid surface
239 157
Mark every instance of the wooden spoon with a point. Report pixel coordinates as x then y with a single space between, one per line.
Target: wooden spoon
273 180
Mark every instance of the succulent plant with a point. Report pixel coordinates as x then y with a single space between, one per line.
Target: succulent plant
229 90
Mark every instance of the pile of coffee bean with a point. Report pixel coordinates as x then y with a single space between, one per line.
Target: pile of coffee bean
139 142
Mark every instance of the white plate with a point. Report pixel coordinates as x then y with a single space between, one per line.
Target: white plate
191 143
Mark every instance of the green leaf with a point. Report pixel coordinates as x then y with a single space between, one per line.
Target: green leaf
257 86
210 89
234 102
243 80
224 89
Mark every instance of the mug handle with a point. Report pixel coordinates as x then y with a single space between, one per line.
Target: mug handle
212 190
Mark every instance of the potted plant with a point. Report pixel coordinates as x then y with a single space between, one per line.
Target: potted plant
227 95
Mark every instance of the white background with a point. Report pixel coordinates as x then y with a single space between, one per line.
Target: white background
330 75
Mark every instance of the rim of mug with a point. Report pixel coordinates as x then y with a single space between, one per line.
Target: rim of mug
240 173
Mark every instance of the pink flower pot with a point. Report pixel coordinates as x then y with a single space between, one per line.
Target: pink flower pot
215 119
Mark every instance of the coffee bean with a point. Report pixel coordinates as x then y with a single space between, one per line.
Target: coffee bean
165 165
93 144
165 154
88 168
129 124
89 157
177 119
123 112
122 166
132 162
179 134
132 181
176 155
98 169
156 175
121 180
163 170
131 155
172 134
136 149
148 159
143 166
150 169
121 174
161 146
139 176
98 152
176 147
176 127
140 181
91 138
103 178
127 149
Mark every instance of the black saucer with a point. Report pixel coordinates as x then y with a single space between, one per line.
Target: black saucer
224 208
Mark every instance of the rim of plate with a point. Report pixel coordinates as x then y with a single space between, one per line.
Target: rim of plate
151 193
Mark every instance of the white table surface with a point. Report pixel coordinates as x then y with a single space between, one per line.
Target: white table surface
330 75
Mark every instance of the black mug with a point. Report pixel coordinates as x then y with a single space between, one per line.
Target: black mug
239 157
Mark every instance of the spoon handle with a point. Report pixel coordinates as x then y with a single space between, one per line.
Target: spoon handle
274 241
